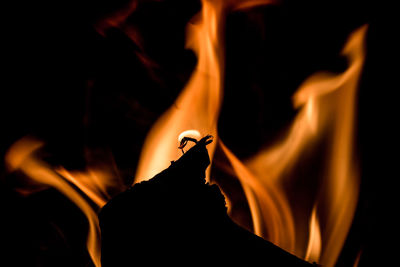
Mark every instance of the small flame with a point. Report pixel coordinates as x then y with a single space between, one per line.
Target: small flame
327 103
314 243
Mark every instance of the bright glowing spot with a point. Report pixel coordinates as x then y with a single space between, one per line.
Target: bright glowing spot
189 133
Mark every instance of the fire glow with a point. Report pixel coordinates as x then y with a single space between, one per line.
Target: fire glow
326 104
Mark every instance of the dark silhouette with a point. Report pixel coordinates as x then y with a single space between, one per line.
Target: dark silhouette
176 218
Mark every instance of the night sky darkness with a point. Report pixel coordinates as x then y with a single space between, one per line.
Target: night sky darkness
77 89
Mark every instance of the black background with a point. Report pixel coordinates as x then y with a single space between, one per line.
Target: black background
65 83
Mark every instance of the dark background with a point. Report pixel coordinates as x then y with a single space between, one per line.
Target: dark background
76 88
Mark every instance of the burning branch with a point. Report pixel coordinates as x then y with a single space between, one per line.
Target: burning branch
176 218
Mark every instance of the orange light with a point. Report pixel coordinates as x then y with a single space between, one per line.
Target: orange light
326 104
326 108
21 156
314 243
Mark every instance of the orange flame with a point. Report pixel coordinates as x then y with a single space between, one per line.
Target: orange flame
325 101
314 243
21 156
342 185
326 104
198 106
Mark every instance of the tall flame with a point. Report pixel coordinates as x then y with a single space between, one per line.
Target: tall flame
198 106
327 103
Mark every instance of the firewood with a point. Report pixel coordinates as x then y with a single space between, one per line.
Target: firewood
177 218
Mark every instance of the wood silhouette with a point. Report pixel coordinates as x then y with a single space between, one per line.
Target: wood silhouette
176 218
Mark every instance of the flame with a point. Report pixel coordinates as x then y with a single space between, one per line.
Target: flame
314 243
342 184
93 183
357 260
260 198
198 106
326 108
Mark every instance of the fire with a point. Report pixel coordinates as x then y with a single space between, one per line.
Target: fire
197 107
314 243
21 157
357 260
326 104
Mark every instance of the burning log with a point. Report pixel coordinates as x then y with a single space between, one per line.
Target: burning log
176 218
